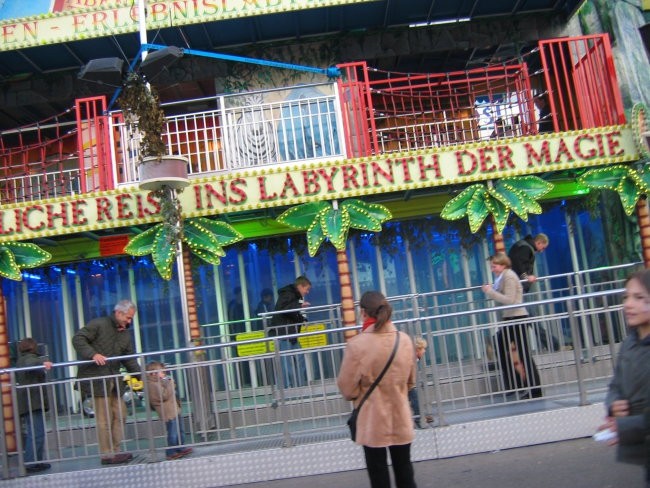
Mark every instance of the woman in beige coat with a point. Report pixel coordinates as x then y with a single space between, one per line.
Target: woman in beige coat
515 360
384 420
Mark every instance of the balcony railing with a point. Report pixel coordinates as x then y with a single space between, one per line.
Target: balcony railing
290 125
365 113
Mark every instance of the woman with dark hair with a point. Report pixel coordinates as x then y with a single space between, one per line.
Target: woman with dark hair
384 422
628 397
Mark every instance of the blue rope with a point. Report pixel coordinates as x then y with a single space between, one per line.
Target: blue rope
331 72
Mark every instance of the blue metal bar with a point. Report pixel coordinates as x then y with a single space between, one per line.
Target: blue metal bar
331 72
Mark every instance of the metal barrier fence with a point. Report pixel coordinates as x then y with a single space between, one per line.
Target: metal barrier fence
255 389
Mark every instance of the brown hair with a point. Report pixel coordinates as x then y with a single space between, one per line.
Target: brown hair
154 365
642 276
302 280
376 306
28 345
501 258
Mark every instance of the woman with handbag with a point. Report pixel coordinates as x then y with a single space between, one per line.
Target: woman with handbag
377 371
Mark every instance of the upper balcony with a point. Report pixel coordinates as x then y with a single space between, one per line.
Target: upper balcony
364 113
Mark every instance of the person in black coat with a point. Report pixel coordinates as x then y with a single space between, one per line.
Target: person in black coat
522 256
32 403
291 298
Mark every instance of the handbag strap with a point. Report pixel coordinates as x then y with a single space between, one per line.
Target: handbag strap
381 375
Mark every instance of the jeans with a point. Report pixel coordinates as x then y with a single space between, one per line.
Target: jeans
415 403
378 467
293 366
34 422
175 435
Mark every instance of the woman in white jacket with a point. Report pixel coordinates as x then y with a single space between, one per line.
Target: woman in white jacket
517 366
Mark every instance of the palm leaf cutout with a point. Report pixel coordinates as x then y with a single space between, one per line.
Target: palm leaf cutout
164 251
142 244
205 238
322 221
629 183
14 256
518 194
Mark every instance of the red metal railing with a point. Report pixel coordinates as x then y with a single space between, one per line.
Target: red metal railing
581 82
380 112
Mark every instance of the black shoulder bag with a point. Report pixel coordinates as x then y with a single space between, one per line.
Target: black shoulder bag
352 421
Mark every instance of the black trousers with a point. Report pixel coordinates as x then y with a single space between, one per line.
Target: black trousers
377 465
516 333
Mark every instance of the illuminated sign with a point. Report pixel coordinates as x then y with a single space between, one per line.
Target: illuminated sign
86 19
281 186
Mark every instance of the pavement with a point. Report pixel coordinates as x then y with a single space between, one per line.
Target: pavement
578 463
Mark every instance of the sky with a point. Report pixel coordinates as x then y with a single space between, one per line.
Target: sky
14 9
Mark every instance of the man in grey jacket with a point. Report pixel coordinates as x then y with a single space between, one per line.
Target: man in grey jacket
101 339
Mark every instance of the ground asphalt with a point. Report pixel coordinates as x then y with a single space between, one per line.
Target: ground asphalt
580 463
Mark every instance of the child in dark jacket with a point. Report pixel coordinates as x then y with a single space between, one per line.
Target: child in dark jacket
162 398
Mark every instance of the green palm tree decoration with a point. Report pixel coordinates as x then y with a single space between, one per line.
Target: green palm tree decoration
14 256
517 194
628 182
324 220
205 238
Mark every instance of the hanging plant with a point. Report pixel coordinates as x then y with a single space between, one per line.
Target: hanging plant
205 238
143 115
324 220
16 256
629 183
516 194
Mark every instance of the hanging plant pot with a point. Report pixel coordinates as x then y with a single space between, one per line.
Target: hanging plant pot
170 171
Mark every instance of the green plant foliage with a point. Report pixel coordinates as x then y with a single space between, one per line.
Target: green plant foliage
322 221
628 182
517 194
15 256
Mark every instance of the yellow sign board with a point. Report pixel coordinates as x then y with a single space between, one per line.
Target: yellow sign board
76 20
316 340
282 186
253 348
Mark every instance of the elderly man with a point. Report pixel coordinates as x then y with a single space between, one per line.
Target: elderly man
101 339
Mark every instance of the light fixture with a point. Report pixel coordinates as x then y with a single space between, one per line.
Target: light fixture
156 61
105 71
441 22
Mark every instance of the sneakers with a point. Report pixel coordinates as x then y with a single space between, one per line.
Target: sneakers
35 468
119 458
179 454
